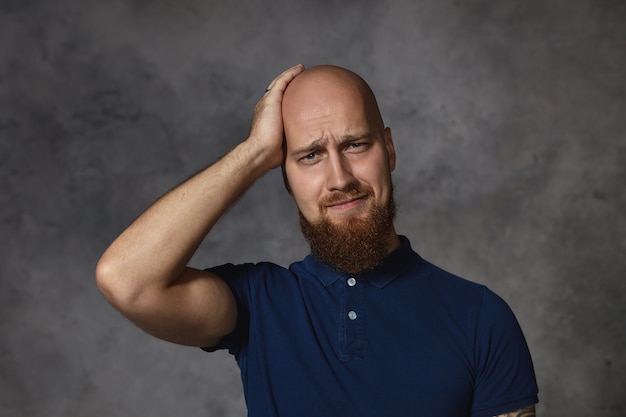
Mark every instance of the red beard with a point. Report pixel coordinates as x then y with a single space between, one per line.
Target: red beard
356 244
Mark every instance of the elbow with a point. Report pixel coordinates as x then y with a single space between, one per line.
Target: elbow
113 286
104 277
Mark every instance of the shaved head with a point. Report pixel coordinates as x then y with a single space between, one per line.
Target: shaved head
319 90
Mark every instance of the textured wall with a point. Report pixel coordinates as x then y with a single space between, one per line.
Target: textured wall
510 122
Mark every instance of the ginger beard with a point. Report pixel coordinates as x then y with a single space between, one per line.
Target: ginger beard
356 244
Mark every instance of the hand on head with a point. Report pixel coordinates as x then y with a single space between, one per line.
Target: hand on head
267 122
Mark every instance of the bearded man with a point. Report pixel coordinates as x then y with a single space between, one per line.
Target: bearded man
363 326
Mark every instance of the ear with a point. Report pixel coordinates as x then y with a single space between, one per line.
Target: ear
391 151
282 165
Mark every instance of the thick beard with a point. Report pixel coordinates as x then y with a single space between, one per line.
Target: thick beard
356 244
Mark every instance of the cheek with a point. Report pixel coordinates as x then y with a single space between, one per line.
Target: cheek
379 179
302 188
372 174
305 199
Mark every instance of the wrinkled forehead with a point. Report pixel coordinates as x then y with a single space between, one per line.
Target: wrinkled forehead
328 96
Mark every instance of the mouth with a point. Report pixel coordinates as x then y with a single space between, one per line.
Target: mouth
346 204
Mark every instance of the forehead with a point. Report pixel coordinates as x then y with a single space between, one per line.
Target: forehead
325 116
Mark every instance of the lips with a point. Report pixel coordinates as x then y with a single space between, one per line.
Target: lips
345 202
339 201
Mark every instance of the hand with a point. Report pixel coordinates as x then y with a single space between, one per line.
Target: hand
266 130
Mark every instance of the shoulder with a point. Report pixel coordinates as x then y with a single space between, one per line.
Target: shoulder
470 301
447 286
231 271
418 268
253 278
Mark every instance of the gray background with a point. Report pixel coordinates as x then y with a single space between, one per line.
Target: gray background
509 118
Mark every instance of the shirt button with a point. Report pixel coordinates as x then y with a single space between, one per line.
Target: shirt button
351 282
352 315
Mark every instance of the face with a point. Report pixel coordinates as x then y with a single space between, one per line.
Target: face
338 162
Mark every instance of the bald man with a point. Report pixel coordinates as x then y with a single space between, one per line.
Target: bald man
363 326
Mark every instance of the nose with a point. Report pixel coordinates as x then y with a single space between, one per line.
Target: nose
340 176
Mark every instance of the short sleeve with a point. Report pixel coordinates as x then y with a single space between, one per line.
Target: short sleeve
238 278
505 378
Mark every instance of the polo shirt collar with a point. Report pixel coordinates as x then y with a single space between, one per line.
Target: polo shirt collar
391 267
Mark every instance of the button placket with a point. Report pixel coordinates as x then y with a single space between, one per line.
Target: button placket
352 334
351 283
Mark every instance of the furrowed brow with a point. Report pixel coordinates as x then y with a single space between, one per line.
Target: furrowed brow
323 142
313 146
354 138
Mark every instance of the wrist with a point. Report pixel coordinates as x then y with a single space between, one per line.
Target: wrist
258 155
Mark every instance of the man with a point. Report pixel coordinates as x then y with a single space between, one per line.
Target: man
361 327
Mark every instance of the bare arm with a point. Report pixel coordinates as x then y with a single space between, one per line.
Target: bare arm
144 274
523 412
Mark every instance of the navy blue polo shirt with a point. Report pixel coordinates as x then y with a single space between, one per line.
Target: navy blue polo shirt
404 339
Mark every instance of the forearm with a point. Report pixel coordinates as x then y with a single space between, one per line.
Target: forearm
153 251
143 273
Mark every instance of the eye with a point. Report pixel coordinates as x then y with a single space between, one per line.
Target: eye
357 146
310 157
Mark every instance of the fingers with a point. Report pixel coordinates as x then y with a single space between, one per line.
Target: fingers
266 130
280 83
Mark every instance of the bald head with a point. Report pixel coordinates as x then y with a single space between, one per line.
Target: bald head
323 91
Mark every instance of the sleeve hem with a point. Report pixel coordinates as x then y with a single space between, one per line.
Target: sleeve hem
506 407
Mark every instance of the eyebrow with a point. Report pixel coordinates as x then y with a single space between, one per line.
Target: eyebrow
322 142
316 144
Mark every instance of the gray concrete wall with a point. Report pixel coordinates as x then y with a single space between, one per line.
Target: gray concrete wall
510 122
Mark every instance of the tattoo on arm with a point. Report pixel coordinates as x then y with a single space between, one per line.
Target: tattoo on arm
523 412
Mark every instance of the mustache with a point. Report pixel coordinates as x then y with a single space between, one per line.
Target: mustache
355 191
